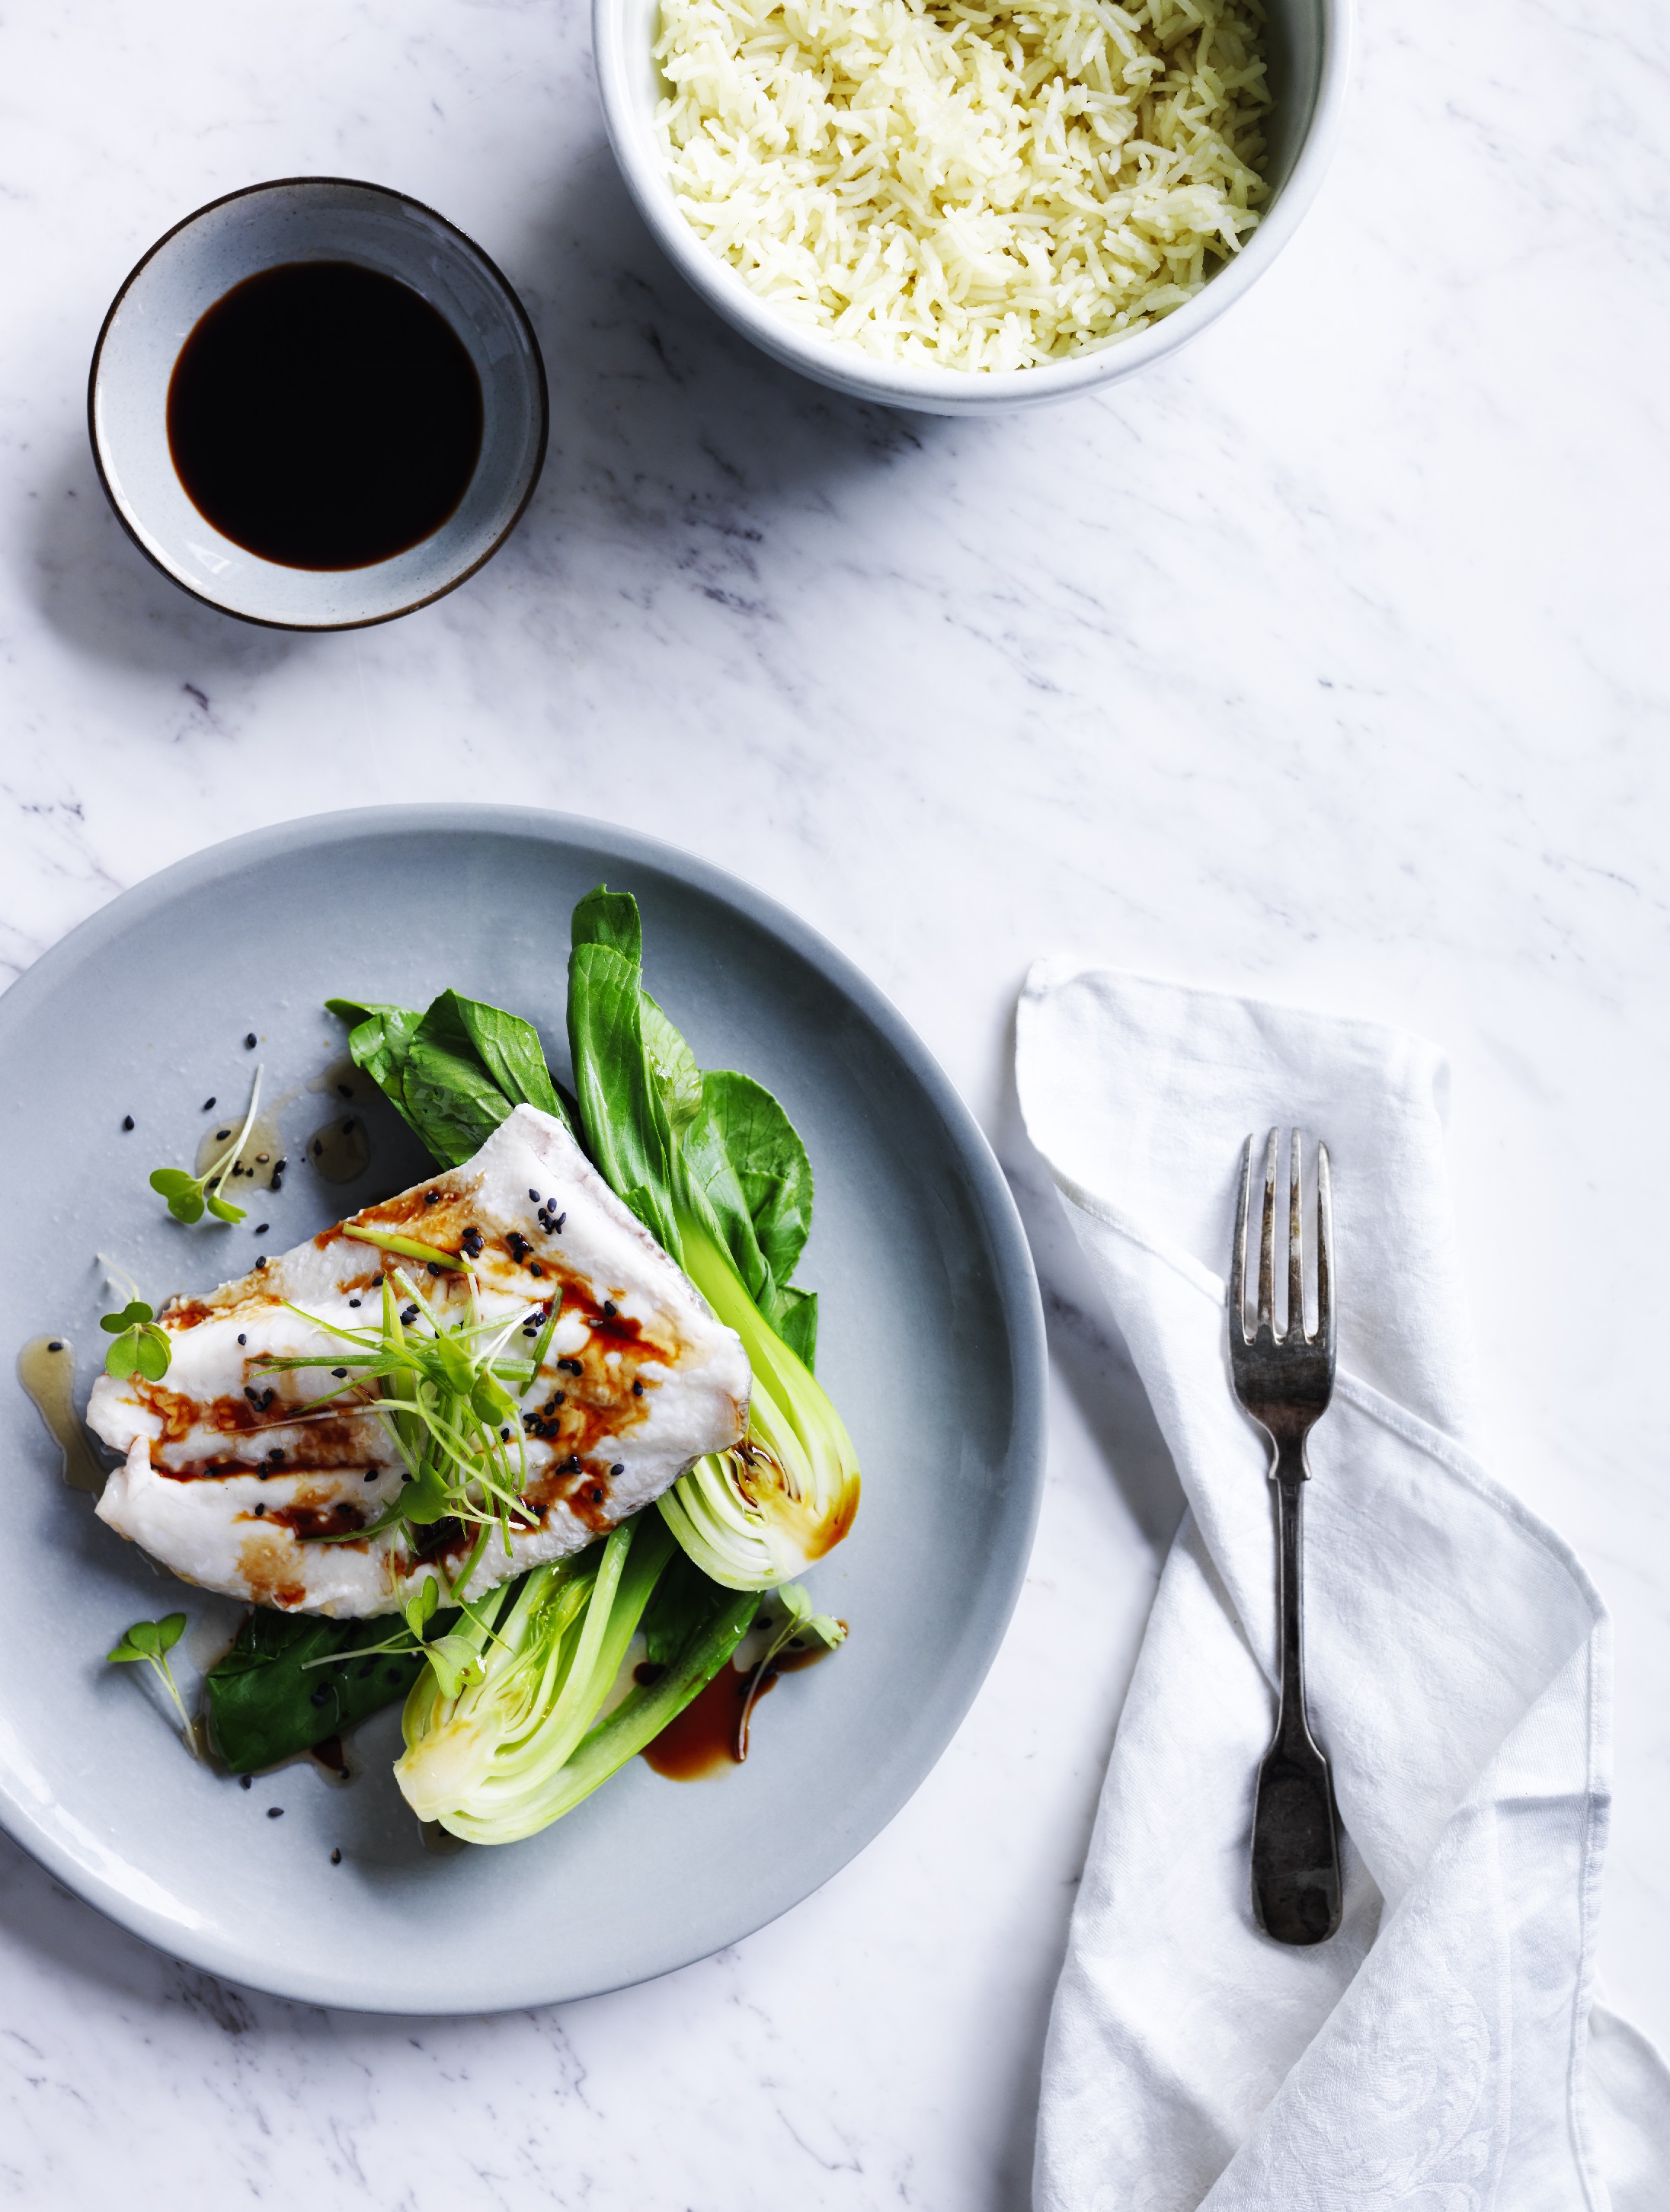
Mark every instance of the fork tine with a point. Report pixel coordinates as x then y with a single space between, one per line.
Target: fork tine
1238 1263
1325 1312
1267 1243
1295 1310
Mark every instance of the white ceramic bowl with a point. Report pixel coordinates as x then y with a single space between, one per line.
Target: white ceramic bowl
1310 53
311 219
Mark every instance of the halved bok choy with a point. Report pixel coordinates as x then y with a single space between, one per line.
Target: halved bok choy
712 1166
519 1742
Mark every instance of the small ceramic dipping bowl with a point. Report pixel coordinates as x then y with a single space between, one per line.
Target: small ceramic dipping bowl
300 219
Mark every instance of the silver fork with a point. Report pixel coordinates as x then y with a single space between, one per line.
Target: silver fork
1284 1382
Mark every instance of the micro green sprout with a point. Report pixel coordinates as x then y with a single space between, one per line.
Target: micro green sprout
189 1195
152 1641
455 1660
141 1348
451 1396
798 1624
407 1248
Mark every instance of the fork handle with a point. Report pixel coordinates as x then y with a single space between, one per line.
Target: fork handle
1295 1827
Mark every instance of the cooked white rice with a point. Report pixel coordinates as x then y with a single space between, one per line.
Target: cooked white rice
967 186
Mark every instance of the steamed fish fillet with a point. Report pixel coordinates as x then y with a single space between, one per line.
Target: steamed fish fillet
230 1483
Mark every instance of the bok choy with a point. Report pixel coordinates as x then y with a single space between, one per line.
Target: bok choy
520 1743
712 1166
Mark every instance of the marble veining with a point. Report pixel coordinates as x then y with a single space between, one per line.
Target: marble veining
1324 660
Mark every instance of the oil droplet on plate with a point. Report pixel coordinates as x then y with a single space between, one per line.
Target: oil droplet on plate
47 1369
341 1150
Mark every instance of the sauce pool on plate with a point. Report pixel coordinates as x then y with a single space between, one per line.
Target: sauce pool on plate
324 416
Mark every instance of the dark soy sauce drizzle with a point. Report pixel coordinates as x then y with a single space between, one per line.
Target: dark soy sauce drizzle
324 416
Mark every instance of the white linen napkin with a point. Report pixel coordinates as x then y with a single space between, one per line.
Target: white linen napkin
1440 2054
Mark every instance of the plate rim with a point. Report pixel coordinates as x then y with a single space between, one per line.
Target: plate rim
1016 1278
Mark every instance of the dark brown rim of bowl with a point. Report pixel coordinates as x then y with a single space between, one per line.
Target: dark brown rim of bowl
498 276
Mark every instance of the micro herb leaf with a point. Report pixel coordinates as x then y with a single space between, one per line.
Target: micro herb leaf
135 1311
189 1195
454 1661
152 1641
183 1192
143 1352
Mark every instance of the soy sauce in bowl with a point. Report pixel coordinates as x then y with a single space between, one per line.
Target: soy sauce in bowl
324 416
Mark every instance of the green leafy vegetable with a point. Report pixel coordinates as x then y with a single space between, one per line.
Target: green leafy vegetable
152 1641
454 1073
380 1044
747 1161
521 1744
292 1680
141 1348
188 1195
753 1517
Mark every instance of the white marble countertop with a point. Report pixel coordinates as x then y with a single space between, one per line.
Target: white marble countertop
1327 660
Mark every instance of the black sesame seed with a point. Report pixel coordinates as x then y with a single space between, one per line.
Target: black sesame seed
127 1120
431 1198
637 1389
322 1696
376 1282
261 1262
275 1454
57 1344
277 1182
262 1472
557 1225
504 1436
610 1309
620 1468
243 1339
249 1041
275 1812
264 1227
408 1316
353 1302
221 1135
336 1856
245 1781
250 1392
596 1496
370 1473
534 1268
207 1104
318 1148
340 1373
260 1511
278 1168
435 1267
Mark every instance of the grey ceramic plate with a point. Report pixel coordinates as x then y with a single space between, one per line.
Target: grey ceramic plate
931 1344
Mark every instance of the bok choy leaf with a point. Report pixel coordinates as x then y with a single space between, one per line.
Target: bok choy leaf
454 1073
723 1184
